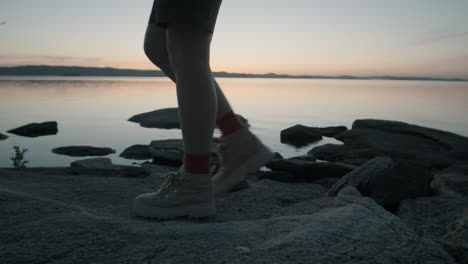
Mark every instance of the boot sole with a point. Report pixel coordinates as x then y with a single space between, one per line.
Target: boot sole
256 161
193 211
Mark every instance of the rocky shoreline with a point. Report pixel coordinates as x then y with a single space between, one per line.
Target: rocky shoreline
391 193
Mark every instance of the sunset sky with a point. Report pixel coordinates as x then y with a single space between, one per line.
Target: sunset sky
326 37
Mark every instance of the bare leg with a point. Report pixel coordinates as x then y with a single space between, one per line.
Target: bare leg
189 55
155 47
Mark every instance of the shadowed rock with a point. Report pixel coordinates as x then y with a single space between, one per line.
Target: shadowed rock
3 137
81 151
369 137
304 170
306 157
162 118
452 181
88 219
281 176
387 181
36 129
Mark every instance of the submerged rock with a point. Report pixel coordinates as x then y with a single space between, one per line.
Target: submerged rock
300 135
81 151
163 118
3 137
387 181
36 129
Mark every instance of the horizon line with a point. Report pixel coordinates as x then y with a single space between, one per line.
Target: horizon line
231 74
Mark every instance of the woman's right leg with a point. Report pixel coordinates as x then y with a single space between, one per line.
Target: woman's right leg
156 50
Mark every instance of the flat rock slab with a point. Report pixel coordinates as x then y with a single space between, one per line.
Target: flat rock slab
74 219
370 137
36 129
162 118
300 135
3 137
81 151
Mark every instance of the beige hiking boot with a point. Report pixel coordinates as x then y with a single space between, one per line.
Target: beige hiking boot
240 153
181 194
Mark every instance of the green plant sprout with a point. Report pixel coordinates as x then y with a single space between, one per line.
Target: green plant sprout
18 158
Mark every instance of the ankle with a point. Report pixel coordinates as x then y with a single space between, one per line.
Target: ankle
197 163
229 123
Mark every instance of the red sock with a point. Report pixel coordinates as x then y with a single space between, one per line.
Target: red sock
229 123
197 163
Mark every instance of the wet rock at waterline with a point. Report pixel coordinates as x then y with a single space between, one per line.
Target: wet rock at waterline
300 135
36 129
368 138
137 152
162 118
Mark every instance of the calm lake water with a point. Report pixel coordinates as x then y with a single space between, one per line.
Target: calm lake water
94 110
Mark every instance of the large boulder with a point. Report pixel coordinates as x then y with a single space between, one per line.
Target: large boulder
36 129
3 137
81 151
300 135
304 170
368 138
387 181
163 118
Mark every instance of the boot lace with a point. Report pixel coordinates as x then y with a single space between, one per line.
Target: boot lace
172 180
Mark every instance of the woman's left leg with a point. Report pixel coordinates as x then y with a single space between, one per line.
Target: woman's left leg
189 52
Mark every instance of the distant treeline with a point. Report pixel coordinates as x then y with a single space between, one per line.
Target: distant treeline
43 70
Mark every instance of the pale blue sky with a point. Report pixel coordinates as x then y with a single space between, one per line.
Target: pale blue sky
360 37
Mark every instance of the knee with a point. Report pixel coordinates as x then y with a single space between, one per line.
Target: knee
185 57
155 54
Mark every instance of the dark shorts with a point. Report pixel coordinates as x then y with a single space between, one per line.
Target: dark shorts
201 13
